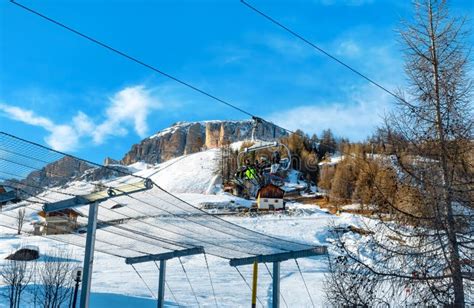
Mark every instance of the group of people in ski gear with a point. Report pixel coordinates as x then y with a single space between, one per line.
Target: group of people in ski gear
256 170
253 175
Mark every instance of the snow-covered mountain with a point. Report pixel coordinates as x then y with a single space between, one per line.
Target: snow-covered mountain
54 174
180 139
190 137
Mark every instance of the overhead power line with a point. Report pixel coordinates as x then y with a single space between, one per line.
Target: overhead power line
136 60
142 63
302 38
189 85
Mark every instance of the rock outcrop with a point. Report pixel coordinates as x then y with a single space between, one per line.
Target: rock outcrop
54 174
185 138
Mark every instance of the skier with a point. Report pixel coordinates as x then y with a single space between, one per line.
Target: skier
275 162
250 173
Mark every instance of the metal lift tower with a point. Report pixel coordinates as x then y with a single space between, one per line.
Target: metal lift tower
93 200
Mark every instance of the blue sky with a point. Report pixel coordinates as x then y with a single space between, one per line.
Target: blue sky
62 91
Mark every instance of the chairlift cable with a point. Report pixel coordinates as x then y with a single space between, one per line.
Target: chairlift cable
133 59
136 60
308 42
210 279
189 281
304 282
144 282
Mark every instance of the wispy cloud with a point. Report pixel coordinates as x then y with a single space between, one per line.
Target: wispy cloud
348 48
130 107
354 111
61 137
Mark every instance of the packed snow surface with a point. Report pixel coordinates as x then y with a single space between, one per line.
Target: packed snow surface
192 173
115 282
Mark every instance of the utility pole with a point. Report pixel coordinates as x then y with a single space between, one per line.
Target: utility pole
254 284
89 255
77 279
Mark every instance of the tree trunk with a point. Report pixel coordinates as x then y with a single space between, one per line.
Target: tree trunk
455 264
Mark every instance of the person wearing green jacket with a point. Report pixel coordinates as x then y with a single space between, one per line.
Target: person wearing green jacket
250 173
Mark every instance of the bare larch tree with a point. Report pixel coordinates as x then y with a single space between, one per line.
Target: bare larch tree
16 276
20 220
423 256
55 279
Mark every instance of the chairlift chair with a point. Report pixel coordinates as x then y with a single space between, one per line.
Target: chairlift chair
260 145
263 145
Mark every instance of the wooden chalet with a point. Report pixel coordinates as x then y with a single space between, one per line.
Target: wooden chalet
60 222
270 197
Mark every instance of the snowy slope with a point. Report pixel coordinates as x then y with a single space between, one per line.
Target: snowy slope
193 173
115 282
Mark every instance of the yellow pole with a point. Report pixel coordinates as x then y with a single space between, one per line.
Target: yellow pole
254 284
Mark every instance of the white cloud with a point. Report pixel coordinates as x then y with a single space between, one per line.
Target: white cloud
128 107
83 123
61 138
352 112
356 119
131 105
26 116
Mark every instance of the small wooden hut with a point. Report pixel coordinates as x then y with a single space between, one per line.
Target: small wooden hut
270 197
60 222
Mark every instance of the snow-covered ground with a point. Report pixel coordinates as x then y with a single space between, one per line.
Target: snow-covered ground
115 282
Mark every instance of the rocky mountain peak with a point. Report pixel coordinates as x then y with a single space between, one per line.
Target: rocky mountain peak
190 137
54 174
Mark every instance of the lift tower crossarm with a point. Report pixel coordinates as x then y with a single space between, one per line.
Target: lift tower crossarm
275 259
98 197
165 256
278 257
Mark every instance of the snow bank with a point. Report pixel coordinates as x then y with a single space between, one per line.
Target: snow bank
193 173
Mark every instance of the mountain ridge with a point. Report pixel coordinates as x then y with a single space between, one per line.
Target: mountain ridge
184 138
181 138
